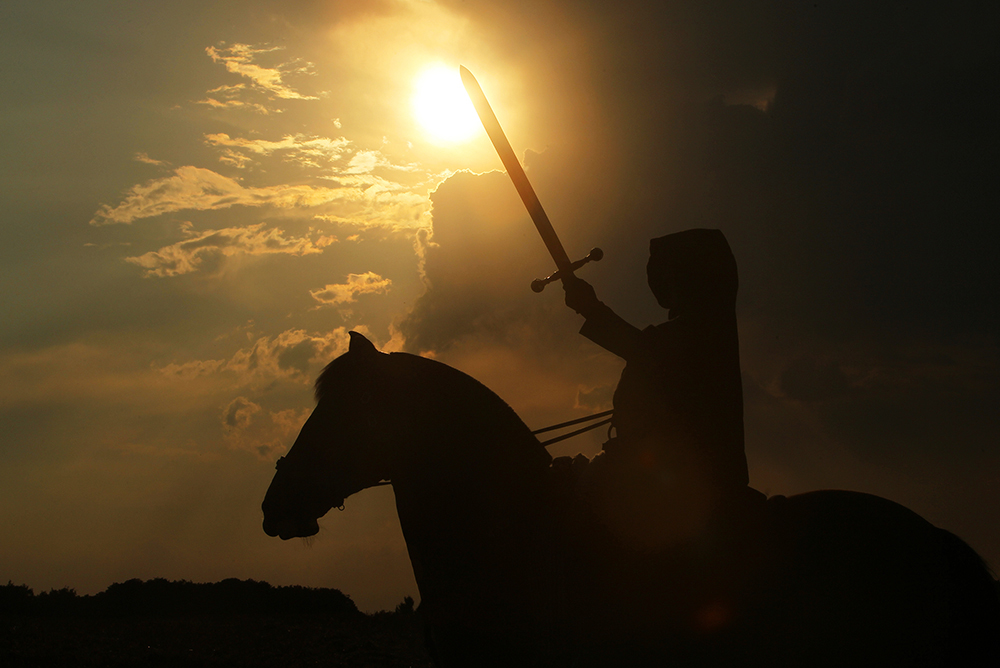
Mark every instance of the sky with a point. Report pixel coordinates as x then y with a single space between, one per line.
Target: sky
201 199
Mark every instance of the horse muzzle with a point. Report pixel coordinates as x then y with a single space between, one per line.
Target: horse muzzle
287 528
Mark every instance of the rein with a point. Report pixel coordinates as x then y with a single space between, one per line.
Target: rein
570 423
557 439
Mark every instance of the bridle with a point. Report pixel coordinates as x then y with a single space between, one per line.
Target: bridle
380 483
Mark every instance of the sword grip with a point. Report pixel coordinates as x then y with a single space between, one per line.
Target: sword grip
595 255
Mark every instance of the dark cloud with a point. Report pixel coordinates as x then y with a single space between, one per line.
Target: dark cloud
848 151
856 194
814 380
938 405
298 356
238 413
874 159
481 239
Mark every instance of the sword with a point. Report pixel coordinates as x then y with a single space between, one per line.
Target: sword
564 266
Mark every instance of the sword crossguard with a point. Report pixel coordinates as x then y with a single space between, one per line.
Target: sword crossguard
595 255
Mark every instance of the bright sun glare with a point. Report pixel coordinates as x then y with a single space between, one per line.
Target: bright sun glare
442 107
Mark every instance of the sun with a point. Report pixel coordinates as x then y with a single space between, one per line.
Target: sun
442 107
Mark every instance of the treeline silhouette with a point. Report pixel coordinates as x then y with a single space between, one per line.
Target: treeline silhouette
228 624
181 598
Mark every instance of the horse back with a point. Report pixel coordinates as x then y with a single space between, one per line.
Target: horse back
865 576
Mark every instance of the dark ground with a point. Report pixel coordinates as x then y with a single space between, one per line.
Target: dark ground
233 623
381 641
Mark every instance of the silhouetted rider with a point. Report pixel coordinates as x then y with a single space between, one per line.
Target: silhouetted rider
679 403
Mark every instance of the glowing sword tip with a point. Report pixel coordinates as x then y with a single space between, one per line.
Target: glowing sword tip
467 79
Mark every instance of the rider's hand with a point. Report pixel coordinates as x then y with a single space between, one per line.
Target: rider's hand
580 296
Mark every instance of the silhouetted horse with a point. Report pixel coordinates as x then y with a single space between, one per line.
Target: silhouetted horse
515 566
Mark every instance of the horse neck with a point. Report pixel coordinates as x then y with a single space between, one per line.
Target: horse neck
470 455
455 428
472 480
468 528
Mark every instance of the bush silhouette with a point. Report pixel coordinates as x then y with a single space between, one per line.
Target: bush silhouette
181 598
16 599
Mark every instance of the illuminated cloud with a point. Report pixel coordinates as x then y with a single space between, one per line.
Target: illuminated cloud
190 370
187 256
293 354
387 208
364 162
361 199
391 211
232 101
247 426
238 413
480 246
383 203
202 190
307 151
143 157
346 293
240 59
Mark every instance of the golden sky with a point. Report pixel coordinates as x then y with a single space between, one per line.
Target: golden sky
202 199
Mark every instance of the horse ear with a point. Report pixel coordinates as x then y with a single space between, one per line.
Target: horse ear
360 345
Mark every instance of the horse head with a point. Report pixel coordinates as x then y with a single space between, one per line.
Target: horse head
403 418
342 447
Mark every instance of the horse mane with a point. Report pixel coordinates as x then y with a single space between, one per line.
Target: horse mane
330 376
471 403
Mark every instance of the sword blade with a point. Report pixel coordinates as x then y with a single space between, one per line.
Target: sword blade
516 172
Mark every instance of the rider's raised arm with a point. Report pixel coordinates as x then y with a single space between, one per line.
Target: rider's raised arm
603 326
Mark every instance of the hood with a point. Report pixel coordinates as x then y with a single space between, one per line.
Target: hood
693 270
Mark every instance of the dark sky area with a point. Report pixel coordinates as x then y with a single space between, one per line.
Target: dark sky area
201 199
